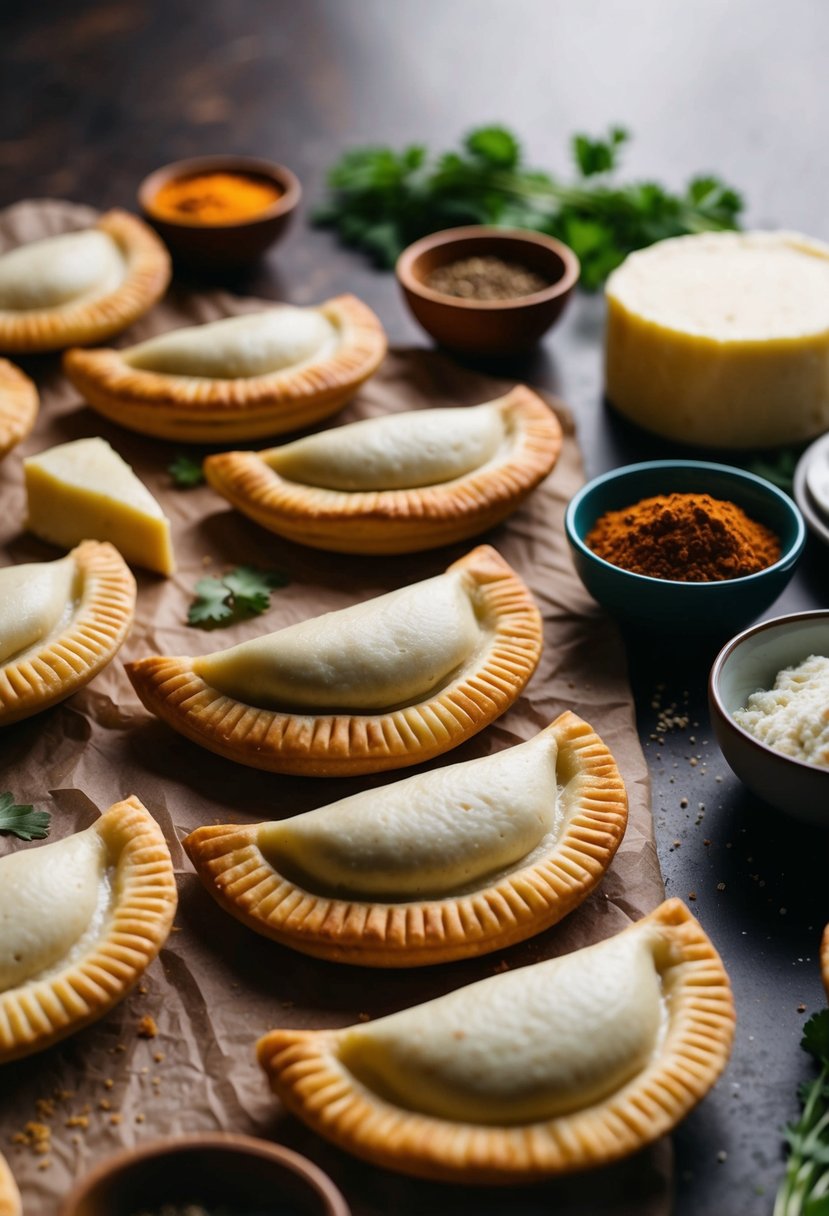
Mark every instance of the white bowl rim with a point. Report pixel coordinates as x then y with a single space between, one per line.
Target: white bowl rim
728 720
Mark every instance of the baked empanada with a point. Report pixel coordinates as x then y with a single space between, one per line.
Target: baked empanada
564 1065
82 286
446 864
824 959
18 406
80 921
60 623
382 684
398 483
240 378
9 1194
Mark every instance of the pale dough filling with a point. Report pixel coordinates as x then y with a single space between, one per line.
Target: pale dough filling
34 599
239 347
428 835
60 270
387 651
756 286
51 897
394 452
528 1045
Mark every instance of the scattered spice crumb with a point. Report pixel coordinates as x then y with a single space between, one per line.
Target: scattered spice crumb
105 1104
363 1017
121 1047
158 1056
683 802
143 990
78 1121
139 1118
692 895
108 1083
801 1009
115 1119
44 1164
722 1155
147 1028
45 1107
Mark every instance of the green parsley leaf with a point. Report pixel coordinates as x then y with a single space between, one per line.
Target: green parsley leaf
238 595
816 1037
382 200
22 820
186 472
211 605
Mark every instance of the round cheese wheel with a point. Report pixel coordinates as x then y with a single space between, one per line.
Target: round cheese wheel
722 339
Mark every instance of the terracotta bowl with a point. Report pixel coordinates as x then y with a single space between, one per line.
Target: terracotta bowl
222 245
216 1170
488 327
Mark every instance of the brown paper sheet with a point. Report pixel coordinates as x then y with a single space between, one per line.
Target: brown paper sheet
217 986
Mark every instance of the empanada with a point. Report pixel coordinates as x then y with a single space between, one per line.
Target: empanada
446 864
60 623
80 921
243 377
18 406
560 1066
390 682
82 286
397 483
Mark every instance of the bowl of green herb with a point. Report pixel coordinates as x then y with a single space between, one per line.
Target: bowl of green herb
487 291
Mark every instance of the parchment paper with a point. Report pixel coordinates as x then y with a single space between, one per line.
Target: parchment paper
217 986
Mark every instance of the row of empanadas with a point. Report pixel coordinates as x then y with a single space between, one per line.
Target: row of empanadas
443 865
560 1066
80 920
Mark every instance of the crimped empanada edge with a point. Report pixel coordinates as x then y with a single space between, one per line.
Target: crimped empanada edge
77 323
304 1072
325 745
63 664
419 933
212 410
397 521
38 1014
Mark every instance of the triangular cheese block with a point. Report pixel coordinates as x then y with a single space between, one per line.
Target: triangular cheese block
85 490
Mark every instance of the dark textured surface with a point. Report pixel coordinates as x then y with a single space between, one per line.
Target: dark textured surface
96 95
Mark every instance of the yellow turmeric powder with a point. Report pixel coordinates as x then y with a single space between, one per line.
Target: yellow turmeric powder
215 198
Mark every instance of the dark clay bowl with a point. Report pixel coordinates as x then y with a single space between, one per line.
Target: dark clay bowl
487 327
222 246
219 1171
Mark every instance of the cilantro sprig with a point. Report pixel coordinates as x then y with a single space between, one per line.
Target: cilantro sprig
186 472
22 820
804 1190
236 596
382 200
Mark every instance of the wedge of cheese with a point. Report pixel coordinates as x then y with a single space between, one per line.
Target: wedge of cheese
722 339
85 491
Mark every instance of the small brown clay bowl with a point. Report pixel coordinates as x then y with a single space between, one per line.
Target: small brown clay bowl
487 327
219 1171
222 246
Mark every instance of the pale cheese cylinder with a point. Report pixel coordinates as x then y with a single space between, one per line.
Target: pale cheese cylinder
722 339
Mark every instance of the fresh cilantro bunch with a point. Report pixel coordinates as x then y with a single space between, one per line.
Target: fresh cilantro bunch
382 200
804 1190
243 593
22 820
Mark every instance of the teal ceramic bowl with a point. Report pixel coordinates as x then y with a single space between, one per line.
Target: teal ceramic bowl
716 608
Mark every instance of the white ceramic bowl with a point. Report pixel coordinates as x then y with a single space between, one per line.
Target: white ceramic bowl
747 663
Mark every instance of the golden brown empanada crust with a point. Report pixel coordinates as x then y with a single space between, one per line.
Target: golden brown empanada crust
207 410
18 406
824 959
335 745
397 521
48 673
147 276
40 1012
419 932
304 1072
9 1194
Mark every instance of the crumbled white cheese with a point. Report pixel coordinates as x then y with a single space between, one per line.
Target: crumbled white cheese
793 716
